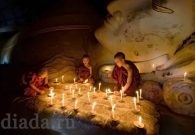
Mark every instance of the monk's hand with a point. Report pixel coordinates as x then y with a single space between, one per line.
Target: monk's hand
81 79
116 93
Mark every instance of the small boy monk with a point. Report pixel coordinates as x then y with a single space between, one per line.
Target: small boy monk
126 75
84 71
35 83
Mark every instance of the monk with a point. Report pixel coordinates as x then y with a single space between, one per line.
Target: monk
126 75
84 71
35 83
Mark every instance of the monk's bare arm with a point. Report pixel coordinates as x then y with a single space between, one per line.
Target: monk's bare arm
129 78
91 72
35 88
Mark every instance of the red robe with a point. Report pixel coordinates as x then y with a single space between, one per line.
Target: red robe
84 73
37 82
120 74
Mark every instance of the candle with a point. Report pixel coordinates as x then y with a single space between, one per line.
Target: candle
85 81
74 80
100 85
139 123
140 92
62 78
79 91
137 93
94 90
106 92
76 86
109 91
113 110
56 80
75 104
90 88
70 88
93 107
185 75
135 104
121 92
153 67
73 93
51 100
51 92
111 100
140 120
63 100
88 95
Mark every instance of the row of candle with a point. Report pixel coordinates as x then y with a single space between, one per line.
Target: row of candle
93 105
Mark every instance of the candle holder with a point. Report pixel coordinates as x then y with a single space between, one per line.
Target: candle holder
73 98
56 83
62 107
136 111
138 124
91 115
76 110
51 94
121 101
79 95
50 105
114 122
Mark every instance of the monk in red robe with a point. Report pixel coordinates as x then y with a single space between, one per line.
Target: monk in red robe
35 83
84 71
126 75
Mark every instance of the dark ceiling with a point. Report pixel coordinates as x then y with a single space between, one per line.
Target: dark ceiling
15 14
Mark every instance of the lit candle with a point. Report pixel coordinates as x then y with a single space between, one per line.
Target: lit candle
140 93
88 95
63 100
94 90
106 92
140 120
90 88
135 104
51 92
109 91
86 81
137 93
111 100
100 85
51 100
73 93
139 123
93 107
70 88
121 92
62 78
74 80
185 75
56 80
113 110
79 91
75 104
153 67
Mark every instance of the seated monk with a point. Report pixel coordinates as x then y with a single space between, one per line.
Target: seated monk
84 71
35 83
126 75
